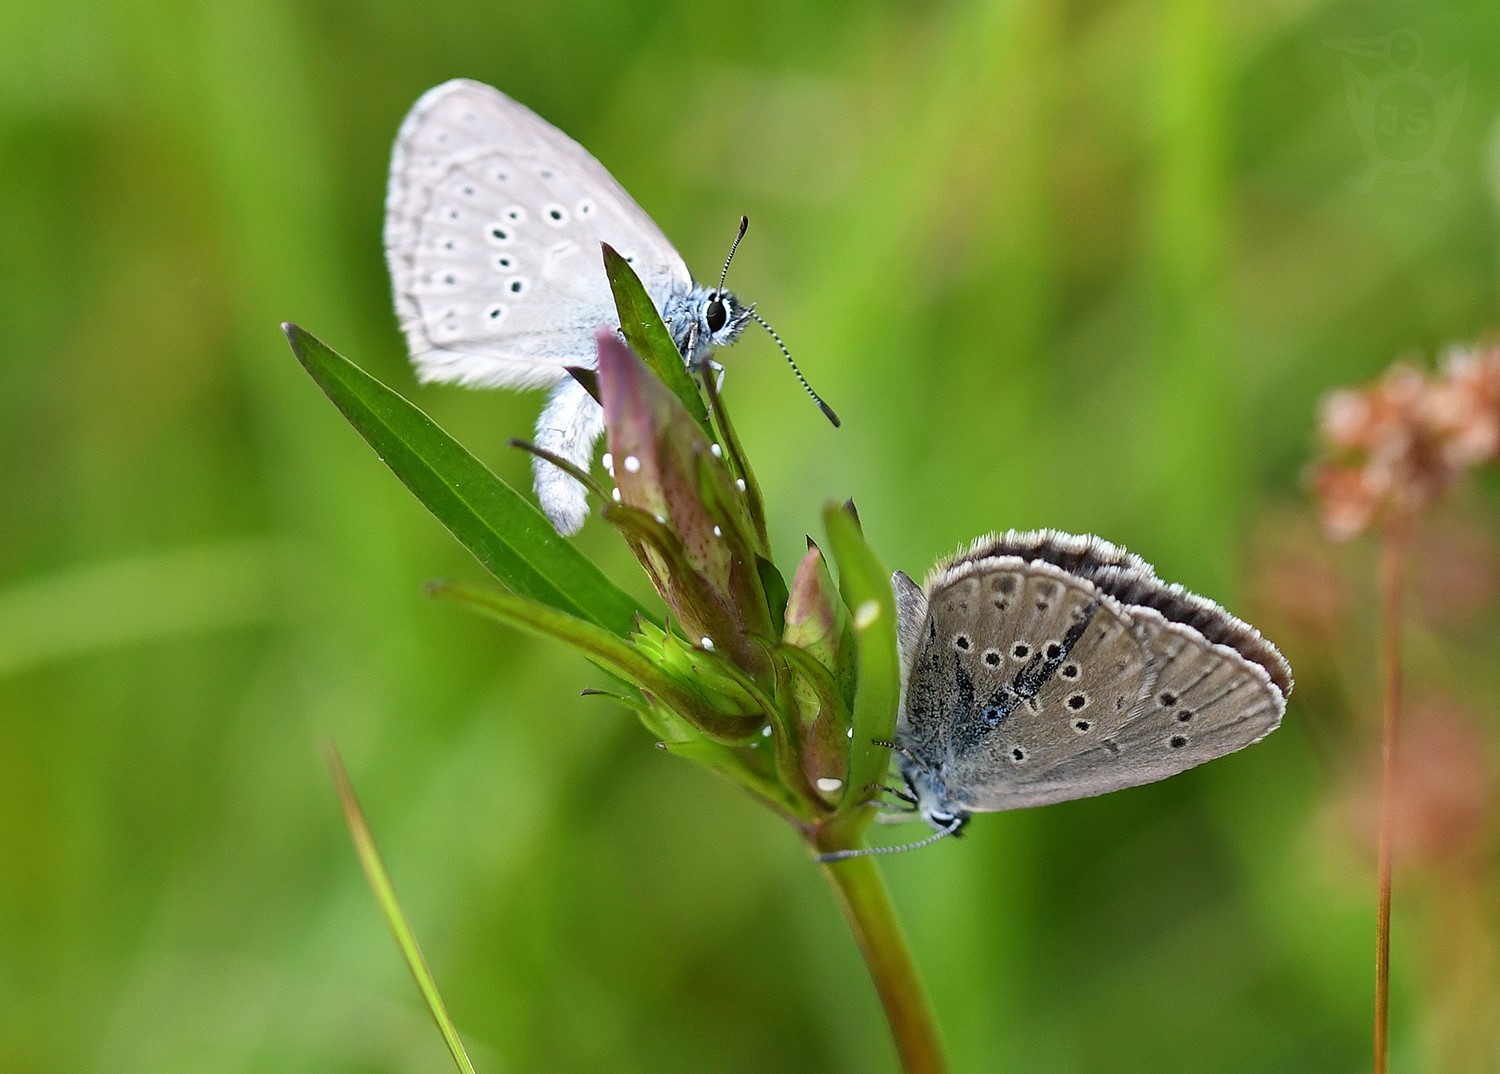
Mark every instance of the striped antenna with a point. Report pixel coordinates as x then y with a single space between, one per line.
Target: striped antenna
844 855
816 398
744 226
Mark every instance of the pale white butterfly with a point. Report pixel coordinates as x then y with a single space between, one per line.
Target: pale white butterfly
1040 667
493 223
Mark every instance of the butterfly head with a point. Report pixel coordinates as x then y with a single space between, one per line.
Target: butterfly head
722 317
932 798
703 319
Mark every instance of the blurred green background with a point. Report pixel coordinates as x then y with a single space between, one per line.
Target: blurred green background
1086 265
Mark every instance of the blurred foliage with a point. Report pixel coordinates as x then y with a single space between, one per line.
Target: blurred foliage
1084 265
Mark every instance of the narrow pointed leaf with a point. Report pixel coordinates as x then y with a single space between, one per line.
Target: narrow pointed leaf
727 763
648 336
500 526
390 907
738 464
866 588
610 652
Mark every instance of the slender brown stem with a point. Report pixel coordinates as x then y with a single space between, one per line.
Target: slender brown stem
1392 564
867 906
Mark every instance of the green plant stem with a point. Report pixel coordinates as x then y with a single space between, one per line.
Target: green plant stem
1392 564
867 905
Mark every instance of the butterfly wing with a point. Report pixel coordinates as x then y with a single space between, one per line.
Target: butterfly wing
493 224
1219 685
1055 667
1030 667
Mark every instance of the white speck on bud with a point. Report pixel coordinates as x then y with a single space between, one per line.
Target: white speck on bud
765 731
718 532
827 784
616 494
661 520
851 732
866 614
632 464
740 481
717 450
609 463
708 643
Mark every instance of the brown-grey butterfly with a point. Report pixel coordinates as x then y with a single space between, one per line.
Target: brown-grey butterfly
1041 667
493 223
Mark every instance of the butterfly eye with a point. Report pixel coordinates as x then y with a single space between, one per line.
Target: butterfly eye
716 316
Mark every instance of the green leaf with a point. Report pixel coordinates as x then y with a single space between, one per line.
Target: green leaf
866 588
776 591
503 529
739 465
712 716
390 907
647 334
729 763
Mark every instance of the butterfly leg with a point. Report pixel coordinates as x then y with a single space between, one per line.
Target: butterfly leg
570 425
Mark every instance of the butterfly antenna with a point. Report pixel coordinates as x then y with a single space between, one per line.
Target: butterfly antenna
844 855
744 226
816 398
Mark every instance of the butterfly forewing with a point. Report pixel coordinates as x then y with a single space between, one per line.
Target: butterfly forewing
1031 666
493 224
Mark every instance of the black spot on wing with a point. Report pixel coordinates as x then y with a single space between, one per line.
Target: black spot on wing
1045 663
